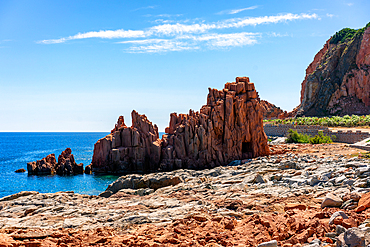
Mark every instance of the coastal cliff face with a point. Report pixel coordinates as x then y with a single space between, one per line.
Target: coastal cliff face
228 128
337 82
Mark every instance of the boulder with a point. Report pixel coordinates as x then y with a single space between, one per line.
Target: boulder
229 127
331 200
134 181
354 237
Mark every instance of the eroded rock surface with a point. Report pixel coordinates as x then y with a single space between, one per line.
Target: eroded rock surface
249 203
229 127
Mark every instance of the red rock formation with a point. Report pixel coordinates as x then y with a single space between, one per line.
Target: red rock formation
66 164
229 127
128 149
45 166
271 111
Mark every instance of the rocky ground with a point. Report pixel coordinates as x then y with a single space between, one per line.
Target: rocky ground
305 196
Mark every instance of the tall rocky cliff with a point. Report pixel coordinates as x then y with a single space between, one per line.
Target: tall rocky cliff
337 82
229 127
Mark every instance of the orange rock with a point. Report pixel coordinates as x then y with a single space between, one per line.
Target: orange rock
349 223
365 200
291 206
327 240
360 208
338 220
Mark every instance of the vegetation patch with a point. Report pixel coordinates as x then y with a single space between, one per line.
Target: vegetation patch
347 34
334 121
295 137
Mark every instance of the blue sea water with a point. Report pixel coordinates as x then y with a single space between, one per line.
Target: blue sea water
17 149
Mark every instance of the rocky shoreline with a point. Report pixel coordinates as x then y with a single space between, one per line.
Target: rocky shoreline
288 198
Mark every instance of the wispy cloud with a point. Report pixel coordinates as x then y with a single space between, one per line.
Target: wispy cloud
330 15
106 34
235 11
157 46
350 4
274 34
146 7
180 36
192 42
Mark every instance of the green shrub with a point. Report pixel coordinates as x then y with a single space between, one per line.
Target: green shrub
343 35
321 138
295 137
347 34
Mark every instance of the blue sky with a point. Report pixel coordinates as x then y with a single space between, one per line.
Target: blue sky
78 65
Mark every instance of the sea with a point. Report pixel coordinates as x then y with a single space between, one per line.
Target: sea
17 149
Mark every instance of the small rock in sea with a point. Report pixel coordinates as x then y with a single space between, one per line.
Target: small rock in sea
20 170
331 200
272 243
88 169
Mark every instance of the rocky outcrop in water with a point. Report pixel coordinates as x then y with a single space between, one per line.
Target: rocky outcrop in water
66 165
45 166
228 128
337 82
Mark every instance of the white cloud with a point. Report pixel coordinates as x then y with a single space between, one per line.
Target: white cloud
146 7
157 46
274 34
235 11
232 40
350 4
192 42
106 34
329 15
181 36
